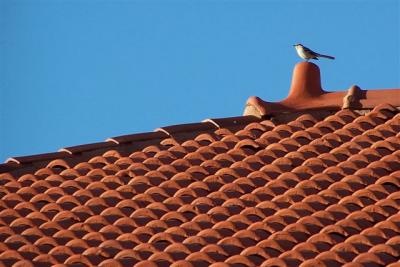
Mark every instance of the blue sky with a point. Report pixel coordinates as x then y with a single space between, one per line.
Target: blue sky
80 71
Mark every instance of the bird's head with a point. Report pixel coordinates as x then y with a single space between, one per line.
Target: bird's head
298 45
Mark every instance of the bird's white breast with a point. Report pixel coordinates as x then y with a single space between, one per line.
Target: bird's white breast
302 53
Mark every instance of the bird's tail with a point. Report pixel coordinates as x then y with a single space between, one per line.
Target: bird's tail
325 56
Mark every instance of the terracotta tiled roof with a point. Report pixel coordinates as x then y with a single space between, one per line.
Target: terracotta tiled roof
297 188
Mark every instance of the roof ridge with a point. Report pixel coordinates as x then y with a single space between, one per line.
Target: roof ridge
306 93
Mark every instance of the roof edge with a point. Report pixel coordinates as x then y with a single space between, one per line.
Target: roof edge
125 141
38 157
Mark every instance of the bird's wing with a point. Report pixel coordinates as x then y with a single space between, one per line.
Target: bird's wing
308 50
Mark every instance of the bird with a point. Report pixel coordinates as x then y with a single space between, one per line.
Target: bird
307 53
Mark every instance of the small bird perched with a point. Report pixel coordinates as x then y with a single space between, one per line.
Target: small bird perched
307 53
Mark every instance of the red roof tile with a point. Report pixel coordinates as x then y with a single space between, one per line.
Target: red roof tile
295 187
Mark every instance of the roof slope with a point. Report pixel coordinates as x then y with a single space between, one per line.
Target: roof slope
321 189
308 191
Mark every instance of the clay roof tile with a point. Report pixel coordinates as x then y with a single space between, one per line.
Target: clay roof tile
239 259
368 257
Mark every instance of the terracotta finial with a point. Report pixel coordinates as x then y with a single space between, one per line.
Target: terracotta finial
350 99
306 81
